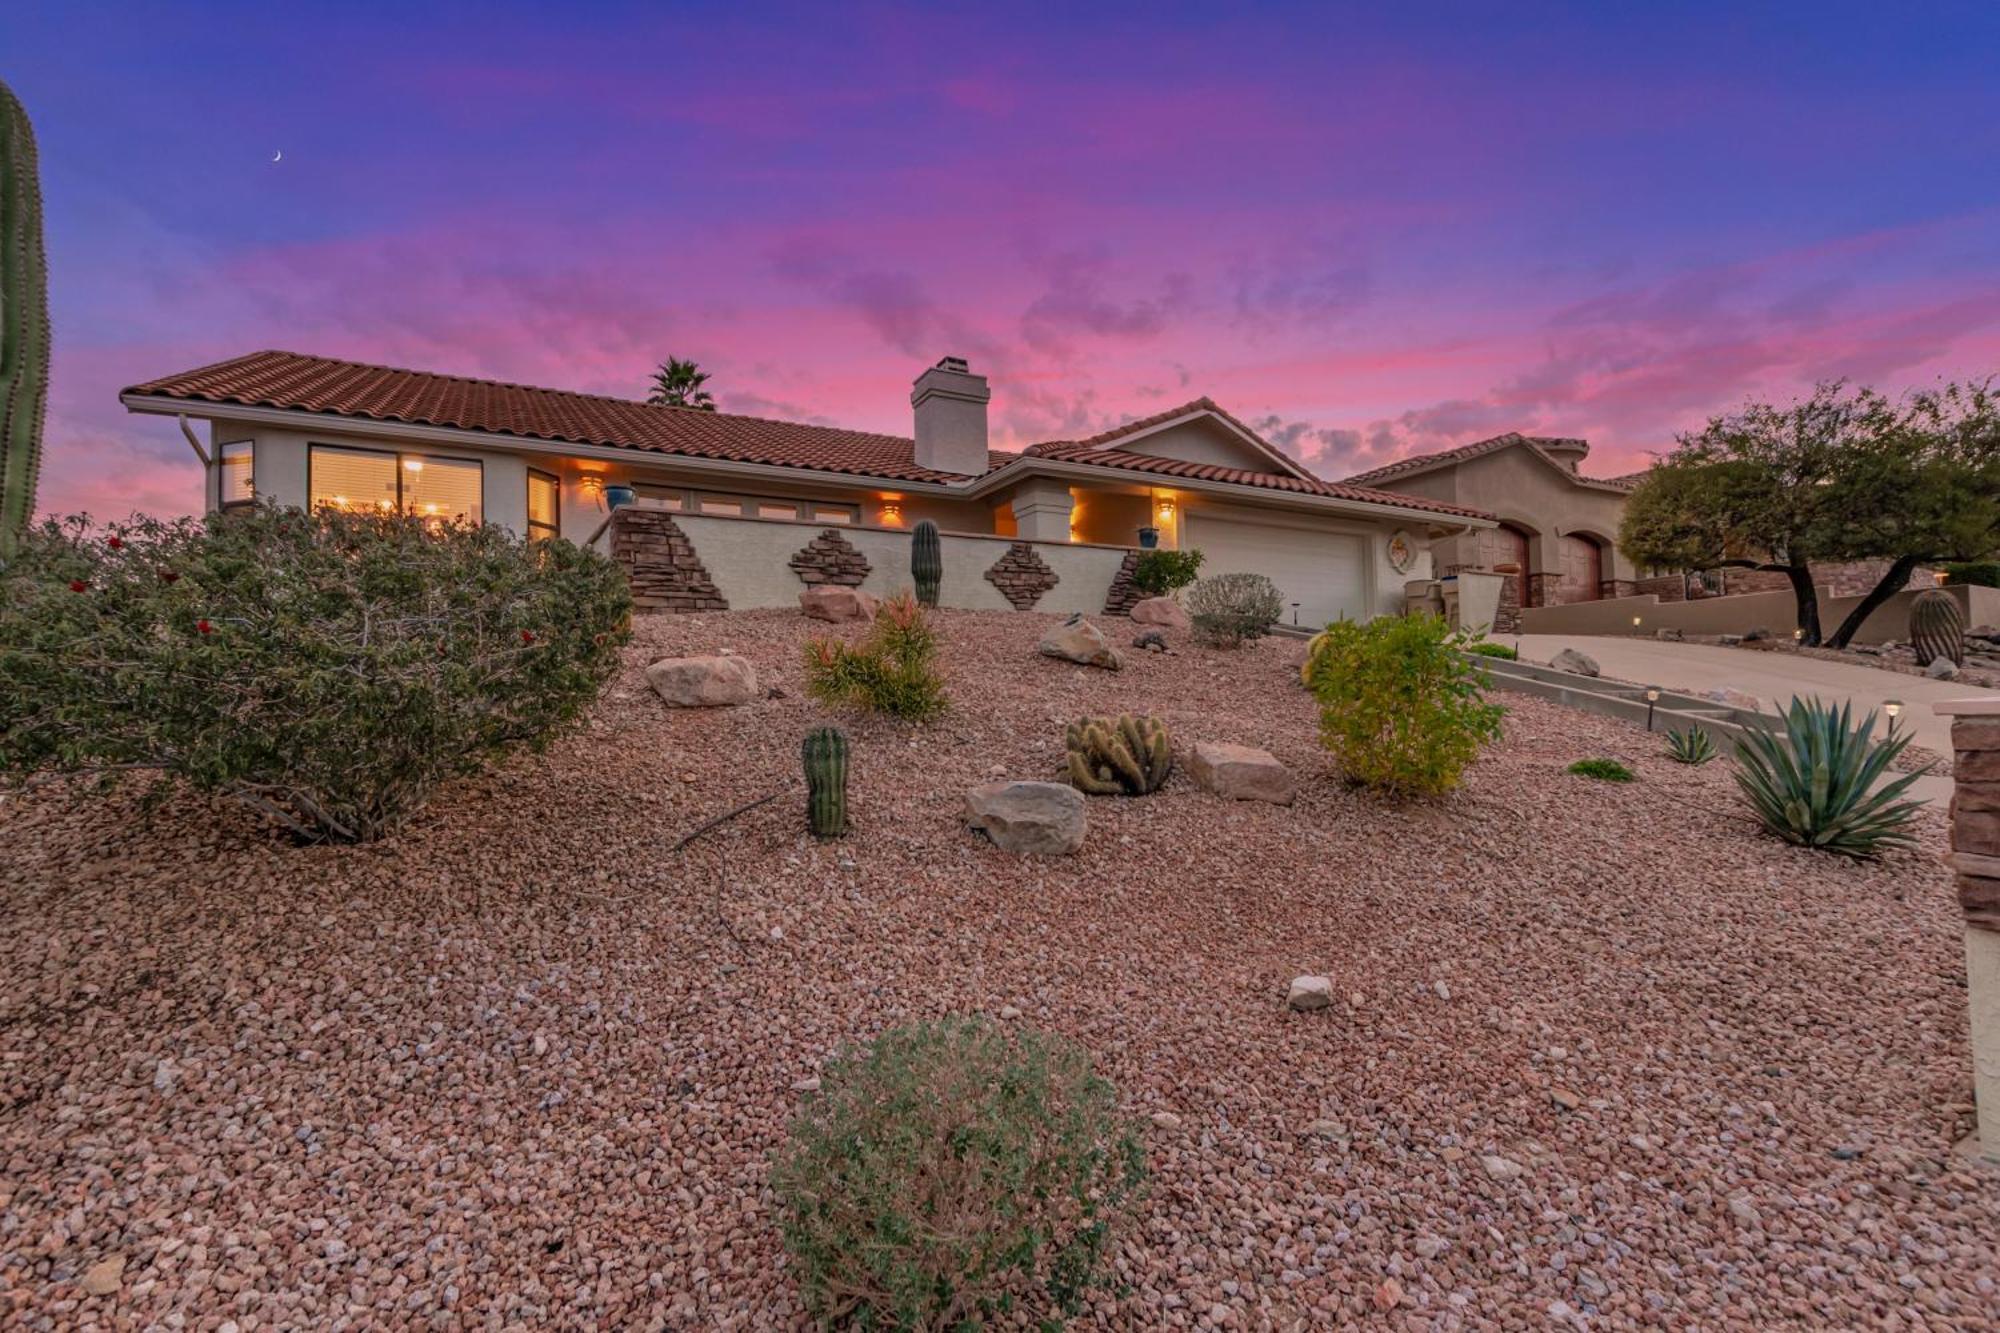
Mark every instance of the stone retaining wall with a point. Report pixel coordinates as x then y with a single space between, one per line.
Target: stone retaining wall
1975 861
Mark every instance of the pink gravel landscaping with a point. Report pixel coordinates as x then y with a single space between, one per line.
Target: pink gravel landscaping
1599 1053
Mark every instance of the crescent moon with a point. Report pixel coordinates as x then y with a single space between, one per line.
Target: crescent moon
278 156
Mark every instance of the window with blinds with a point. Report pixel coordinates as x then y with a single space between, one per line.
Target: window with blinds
359 480
544 506
237 461
441 488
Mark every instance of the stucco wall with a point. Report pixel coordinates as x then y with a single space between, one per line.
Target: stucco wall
1202 440
1774 611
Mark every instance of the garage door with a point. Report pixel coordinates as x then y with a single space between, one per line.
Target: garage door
1322 571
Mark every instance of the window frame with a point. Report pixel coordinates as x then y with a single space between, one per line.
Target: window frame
536 531
402 506
222 473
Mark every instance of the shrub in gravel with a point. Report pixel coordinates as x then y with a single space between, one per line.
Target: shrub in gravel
1402 708
893 670
1229 610
953 1173
329 670
1160 573
1604 770
1815 784
1495 650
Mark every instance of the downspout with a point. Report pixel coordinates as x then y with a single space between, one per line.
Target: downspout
193 443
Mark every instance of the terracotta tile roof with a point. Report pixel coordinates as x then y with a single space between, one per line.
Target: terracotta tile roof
1098 456
295 382
1540 444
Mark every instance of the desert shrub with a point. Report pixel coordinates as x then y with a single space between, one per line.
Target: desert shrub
1604 770
1815 784
1496 650
1231 609
893 670
1691 746
1981 573
329 670
953 1173
1401 708
1161 572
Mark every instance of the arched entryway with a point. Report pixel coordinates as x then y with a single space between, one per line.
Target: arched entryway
1581 569
1505 549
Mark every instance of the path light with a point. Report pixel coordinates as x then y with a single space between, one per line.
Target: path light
1894 708
1652 697
1635 622
1797 635
1295 614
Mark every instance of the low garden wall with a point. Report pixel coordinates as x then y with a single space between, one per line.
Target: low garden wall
1774 611
681 562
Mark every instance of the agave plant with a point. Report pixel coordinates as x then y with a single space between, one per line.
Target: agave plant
1690 747
1815 785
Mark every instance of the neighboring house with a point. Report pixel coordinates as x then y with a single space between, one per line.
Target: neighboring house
1557 531
739 512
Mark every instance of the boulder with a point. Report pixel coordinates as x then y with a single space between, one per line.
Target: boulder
1030 818
1151 640
1729 640
1574 662
703 682
830 601
1735 699
1240 772
1309 993
1077 640
1941 668
1668 634
1162 611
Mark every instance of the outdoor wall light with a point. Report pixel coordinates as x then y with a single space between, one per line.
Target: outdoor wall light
1165 509
1652 698
892 514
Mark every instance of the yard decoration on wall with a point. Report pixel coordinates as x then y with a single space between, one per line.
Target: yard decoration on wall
1402 552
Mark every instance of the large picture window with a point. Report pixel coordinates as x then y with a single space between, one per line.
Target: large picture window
238 468
358 480
544 506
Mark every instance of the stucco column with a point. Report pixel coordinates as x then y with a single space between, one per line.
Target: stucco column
1975 856
1041 511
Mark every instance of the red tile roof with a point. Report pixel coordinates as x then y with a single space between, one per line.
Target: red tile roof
1123 460
295 382
1540 444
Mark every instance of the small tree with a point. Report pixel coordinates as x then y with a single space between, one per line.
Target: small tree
329 670
1402 707
677 383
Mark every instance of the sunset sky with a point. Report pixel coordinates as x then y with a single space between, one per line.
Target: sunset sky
1366 231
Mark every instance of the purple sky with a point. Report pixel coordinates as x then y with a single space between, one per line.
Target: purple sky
1365 235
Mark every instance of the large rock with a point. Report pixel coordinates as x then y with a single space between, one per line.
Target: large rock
703 682
1032 818
1077 640
1735 698
1941 668
830 601
1240 772
1162 611
1309 993
1574 662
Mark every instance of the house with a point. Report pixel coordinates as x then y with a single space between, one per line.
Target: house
1556 537
734 512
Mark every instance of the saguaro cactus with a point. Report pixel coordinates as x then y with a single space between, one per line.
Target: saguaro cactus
824 752
1936 628
1121 756
24 320
926 561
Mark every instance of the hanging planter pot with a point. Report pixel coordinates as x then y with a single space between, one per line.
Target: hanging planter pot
1149 538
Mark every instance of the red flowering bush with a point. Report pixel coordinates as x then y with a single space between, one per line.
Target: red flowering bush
328 670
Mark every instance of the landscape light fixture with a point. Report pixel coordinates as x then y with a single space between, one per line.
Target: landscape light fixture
1635 622
1652 698
1295 614
1894 708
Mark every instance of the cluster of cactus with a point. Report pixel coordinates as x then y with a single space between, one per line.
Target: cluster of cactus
1118 756
926 561
1690 747
824 752
1936 628
24 320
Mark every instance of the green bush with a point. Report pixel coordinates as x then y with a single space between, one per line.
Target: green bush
955 1173
1982 573
1161 572
1812 785
328 670
1498 650
1605 770
1229 610
893 670
1401 707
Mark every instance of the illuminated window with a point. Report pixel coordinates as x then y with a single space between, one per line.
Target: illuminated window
774 509
834 513
238 467
661 498
711 504
544 506
359 480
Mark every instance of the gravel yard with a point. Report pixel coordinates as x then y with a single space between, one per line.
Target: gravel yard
1599 1052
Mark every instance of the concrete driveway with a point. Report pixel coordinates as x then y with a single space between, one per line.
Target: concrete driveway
1774 677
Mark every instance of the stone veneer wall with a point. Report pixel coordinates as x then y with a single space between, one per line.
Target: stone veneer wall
666 573
1854 578
830 558
1975 857
1022 576
1124 594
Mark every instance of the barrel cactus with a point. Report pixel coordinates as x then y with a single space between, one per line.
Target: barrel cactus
926 561
24 320
824 752
1936 628
1118 756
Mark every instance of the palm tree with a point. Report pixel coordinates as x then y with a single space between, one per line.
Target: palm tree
677 383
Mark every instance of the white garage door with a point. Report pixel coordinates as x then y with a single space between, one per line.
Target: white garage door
1321 571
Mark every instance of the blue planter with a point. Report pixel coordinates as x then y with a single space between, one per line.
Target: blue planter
616 497
1149 538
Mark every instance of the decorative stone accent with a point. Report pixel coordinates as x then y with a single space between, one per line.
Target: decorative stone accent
660 561
1574 662
703 682
1975 856
1123 594
1309 993
1021 575
1542 589
1164 612
1240 773
1077 640
830 602
1029 818
830 558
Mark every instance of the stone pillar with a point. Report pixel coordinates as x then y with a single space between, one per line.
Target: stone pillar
1041 511
1975 857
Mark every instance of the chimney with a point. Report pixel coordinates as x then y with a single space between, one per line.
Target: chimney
950 403
1568 452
